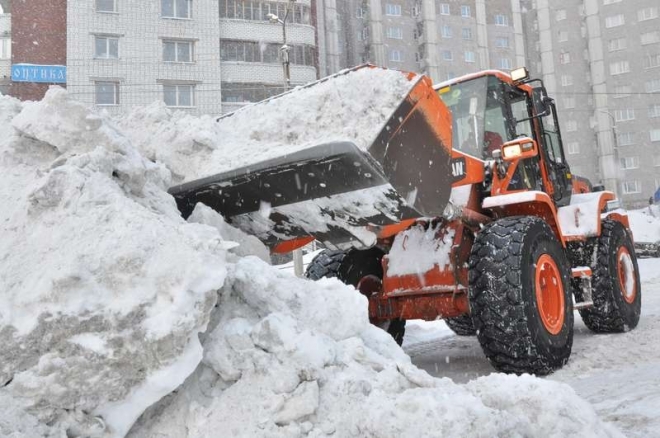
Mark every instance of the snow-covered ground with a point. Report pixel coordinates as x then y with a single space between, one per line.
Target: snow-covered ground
117 317
619 374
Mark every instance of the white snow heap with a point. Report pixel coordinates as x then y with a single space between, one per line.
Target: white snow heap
104 290
354 106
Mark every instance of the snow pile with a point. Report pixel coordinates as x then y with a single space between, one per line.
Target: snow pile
103 287
645 224
353 106
110 302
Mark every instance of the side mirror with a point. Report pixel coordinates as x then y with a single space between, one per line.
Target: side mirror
541 102
520 148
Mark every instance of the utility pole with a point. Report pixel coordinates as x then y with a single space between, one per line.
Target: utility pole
615 151
284 56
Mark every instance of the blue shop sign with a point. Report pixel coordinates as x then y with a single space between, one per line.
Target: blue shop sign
50 74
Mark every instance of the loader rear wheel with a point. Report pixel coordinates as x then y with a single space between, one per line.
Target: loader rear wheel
461 325
616 291
352 267
520 296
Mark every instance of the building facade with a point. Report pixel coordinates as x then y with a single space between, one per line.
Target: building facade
5 46
203 56
440 38
601 60
252 34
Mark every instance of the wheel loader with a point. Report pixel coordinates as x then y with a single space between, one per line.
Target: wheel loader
462 207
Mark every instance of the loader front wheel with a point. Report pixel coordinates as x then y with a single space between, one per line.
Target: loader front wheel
351 267
520 296
616 291
461 325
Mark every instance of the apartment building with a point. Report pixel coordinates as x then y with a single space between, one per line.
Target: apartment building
601 60
441 38
203 56
5 46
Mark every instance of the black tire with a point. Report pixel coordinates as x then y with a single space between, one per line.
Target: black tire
503 300
611 313
461 325
349 267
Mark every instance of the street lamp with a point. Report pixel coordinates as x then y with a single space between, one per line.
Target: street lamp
284 50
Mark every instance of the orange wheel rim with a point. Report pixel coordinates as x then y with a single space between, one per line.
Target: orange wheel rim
549 294
626 271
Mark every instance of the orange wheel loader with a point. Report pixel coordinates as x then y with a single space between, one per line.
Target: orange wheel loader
462 208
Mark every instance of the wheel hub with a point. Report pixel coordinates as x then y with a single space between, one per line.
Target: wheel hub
549 294
626 272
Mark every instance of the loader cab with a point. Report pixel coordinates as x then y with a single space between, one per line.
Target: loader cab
488 109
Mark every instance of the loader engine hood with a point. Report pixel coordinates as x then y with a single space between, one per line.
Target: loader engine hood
340 190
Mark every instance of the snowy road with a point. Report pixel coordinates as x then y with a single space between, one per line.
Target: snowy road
618 374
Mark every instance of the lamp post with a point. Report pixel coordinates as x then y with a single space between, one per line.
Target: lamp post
284 56
284 50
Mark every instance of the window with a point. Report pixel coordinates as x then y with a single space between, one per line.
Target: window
560 14
393 10
609 2
268 53
466 33
444 9
248 92
106 47
647 14
625 138
573 148
106 93
652 86
179 95
623 115
563 36
395 33
504 64
571 126
176 8
622 91
656 162
619 67
630 187
361 13
617 44
654 134
502 42
447 55
650 38
178 51
258 10
614 21
465 11
501 20
564 58
395 56
652 61
446 31
566 80
569 102
629 163
5 48
654 111
106 6
470 57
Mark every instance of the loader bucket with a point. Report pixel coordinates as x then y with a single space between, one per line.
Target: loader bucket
337 192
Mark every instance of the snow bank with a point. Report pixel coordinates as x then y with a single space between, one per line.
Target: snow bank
354 106
111 304
645 224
